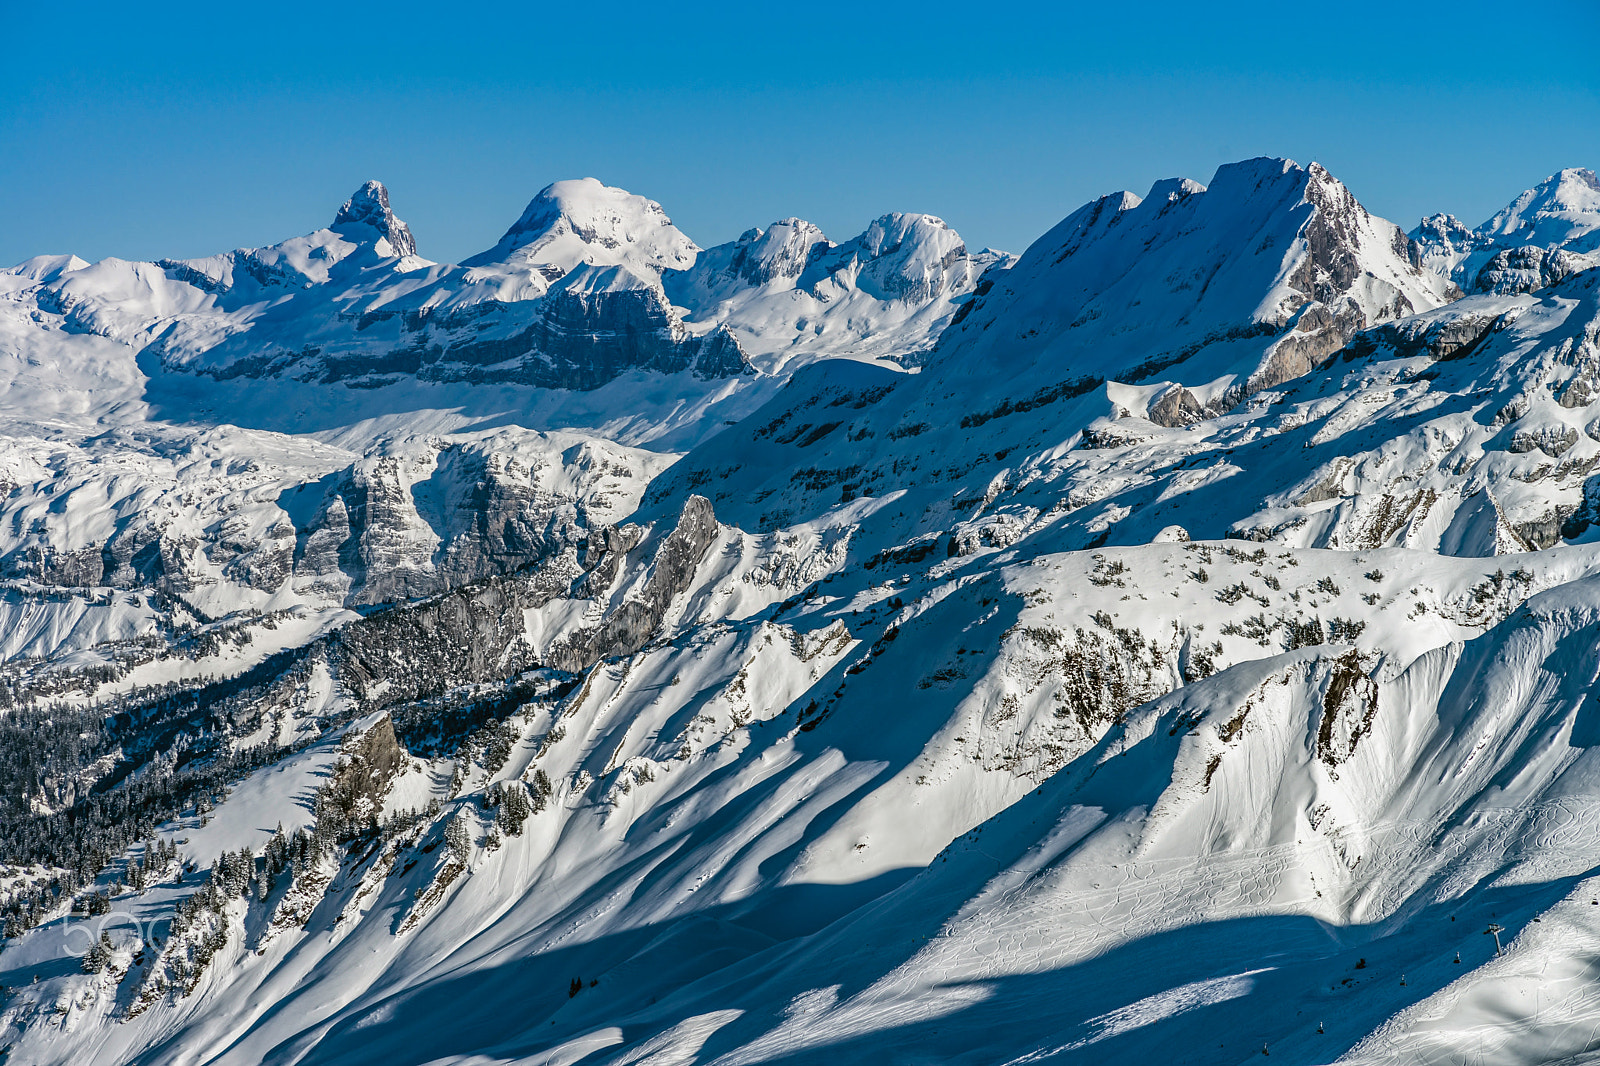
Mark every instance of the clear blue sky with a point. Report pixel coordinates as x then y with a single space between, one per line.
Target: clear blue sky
144 130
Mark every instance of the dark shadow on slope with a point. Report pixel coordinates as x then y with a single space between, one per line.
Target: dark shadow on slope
522 998
529 992
1204 993
1190 996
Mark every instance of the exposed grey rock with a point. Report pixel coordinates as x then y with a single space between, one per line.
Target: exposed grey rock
1105 433
1175 407
603 556
84 568
1587 512
369 762
369 208
1331 265
391 559
1512 410
1552 440
468 635
1545 531
575 340
266 565
320 548
1581 390
132 556
179 572
1319 331
501 521
631 624
1517 270
1447 337
785 250
1328 487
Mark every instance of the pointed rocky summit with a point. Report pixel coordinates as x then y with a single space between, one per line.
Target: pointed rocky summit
370 207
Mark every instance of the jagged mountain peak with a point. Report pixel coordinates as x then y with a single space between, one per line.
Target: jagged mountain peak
1567 199
1542 235
1124 287
1442 225
586 221
369 207
783 250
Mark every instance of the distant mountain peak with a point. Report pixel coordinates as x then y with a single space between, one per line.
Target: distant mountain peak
585 220
783 250
1571 196
909 256
1127 287
1560 214
369 206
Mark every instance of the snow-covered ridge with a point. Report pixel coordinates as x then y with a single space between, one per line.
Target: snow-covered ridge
584 221
571 297
1194 657
1544 234
1250 281
792 296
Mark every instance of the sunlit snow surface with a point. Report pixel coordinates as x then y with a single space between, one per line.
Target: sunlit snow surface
955 747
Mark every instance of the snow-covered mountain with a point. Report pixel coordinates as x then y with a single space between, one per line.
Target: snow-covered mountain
1238 286
791 296
1543 235
1193 656
334 421
569 298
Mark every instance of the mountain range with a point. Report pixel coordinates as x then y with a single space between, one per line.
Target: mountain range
1178 640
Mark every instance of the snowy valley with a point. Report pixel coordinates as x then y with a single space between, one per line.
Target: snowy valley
1179 640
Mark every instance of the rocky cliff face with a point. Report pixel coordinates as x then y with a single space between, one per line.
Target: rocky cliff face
369 207
209 532
633 621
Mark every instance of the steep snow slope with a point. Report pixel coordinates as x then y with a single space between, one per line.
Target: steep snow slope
904 720
1244 284
1547 233
716 831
